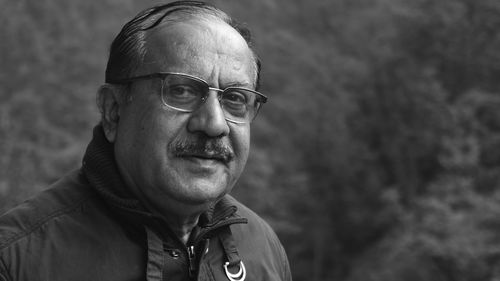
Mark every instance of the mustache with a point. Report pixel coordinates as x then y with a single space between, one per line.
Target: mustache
204 147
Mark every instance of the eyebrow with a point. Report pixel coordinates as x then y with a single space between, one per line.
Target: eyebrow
240 85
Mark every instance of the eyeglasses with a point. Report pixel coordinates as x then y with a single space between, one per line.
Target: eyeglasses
186 93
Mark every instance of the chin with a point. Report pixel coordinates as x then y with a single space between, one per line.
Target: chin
201 192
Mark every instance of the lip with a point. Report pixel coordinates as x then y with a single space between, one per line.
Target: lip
204 165
206 157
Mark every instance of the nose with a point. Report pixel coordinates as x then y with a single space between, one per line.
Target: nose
209 118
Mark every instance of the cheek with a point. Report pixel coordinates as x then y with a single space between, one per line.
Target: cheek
241 142
147 129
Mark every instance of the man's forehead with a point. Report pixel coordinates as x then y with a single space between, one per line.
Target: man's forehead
196 44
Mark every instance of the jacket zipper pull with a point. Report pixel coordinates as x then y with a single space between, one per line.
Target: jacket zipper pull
192 260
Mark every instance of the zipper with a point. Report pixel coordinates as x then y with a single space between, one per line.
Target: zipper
191 253
191 261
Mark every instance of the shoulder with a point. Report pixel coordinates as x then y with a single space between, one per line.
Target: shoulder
42 238
255 222
66 196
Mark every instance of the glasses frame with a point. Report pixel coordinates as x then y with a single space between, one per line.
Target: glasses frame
260 98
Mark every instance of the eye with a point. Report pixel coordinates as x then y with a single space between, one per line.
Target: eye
235 97
182 91
235 102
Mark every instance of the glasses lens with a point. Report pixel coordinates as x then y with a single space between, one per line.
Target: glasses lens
183 92
239 104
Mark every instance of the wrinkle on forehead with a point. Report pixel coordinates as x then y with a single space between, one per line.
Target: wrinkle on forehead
200 48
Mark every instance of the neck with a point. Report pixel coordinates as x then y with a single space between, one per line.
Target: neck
180 218
182 226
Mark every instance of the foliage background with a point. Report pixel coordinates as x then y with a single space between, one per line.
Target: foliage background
378 157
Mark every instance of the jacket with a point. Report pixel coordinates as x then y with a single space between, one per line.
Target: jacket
87 226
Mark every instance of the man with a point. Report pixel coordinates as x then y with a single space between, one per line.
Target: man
150 201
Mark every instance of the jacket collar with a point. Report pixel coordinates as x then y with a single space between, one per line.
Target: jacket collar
100 168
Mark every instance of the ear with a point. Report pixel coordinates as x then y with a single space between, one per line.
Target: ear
108 102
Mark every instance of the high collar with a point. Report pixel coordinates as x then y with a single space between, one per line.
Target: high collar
100 168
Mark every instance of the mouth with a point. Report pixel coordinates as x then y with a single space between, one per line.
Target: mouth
204 151
207 157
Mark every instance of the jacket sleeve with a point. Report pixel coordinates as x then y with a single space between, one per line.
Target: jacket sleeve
285 265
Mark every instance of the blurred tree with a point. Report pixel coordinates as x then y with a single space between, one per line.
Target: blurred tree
377 157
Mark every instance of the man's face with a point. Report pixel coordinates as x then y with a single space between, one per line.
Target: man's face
154 143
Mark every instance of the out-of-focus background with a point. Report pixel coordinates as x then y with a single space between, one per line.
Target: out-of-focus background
377 158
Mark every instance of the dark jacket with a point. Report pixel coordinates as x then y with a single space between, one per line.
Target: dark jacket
88 227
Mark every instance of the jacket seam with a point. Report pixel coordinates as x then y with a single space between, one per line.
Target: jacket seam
18 236
3 271
212 274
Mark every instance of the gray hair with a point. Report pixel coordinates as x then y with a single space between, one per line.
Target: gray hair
128 48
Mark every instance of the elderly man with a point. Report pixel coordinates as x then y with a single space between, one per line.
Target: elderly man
150 201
